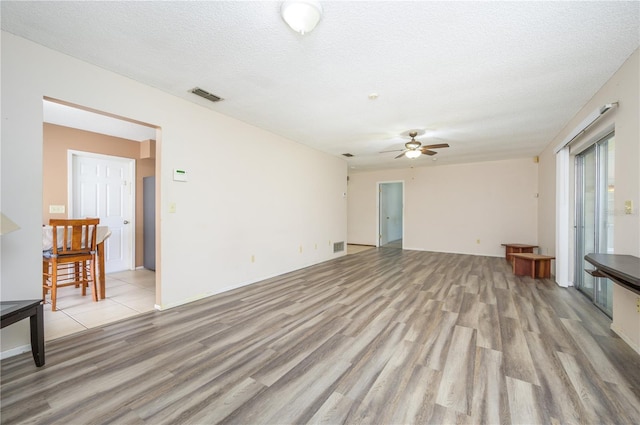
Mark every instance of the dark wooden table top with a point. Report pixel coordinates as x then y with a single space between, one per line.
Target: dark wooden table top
625 268
9 308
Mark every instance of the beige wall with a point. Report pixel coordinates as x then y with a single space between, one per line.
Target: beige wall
624 87
58 140
448 208
249 211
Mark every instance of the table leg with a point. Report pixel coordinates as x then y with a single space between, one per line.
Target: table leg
101 272
36 322
533 269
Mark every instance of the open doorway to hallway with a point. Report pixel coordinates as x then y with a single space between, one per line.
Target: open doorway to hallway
130 289
390 214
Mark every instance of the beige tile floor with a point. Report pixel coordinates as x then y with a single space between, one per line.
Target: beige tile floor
128 293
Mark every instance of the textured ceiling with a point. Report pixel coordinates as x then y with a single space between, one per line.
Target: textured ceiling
495 80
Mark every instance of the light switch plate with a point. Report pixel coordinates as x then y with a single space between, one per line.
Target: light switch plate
56 209
628 207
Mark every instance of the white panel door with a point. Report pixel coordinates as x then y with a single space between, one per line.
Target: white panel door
102 186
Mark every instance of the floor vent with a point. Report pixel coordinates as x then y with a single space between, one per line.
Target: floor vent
338 246
203 93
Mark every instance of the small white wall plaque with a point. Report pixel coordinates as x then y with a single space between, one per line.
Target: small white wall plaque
180 175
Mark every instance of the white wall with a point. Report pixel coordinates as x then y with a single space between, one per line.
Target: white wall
623 87
448 208
266 197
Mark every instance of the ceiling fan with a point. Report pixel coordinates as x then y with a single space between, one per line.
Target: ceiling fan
414 148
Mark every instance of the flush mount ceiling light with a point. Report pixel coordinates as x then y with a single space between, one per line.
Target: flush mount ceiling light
301 16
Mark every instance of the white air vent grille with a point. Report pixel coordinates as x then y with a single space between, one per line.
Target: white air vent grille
203 93
338 246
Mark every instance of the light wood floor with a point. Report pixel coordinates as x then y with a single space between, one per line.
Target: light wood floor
385 336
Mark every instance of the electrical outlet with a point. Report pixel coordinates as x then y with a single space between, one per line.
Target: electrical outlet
638 304
300 249
478 241
172 207
253 258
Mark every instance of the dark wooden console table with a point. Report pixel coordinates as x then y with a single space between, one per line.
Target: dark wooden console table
621 269
14 311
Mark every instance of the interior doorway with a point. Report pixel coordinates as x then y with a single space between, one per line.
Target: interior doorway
77 141
390 214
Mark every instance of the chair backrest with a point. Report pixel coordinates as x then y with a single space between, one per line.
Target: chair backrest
78 235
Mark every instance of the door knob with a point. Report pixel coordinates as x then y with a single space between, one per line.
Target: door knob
126 222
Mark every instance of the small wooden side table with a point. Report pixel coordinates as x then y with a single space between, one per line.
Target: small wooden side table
14 311
534 265
511 248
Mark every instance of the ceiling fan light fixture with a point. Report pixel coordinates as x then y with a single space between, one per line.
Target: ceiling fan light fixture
412 154
413 144
302 15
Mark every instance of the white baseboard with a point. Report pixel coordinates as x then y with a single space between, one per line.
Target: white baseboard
625 338
15 351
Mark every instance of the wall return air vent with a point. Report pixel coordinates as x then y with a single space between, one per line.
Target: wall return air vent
338 246
203 93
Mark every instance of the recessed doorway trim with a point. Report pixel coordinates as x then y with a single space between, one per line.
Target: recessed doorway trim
389 211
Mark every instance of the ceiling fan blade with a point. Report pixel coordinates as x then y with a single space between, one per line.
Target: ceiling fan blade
399 156
440 145
395 150
426 151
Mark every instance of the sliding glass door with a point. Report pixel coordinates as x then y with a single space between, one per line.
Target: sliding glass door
595 188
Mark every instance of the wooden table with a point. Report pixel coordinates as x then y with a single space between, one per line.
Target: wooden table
511 248
14 311
535 265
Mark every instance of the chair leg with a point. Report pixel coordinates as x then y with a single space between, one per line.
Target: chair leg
84 276
76 268
54 286
92 276
45 273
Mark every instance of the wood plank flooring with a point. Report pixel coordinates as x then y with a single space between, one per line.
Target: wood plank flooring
384 336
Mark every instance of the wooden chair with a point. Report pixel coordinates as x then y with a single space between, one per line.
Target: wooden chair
72 261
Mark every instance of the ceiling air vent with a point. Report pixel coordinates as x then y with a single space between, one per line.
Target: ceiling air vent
348 155
203 93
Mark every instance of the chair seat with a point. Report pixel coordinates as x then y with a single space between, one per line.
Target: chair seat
72 253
